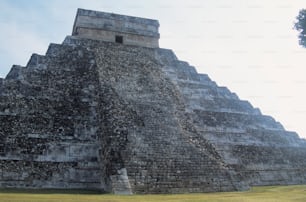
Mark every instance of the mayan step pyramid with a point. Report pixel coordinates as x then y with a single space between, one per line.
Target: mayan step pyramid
109 110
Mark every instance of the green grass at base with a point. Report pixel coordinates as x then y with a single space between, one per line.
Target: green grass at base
260 194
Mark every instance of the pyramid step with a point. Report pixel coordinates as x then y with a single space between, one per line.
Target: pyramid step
235 120
37 62
16 73
265 137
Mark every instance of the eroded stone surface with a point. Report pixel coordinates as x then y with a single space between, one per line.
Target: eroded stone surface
116 28
129 119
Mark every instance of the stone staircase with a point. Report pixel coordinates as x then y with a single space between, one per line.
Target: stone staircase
255 145
128 119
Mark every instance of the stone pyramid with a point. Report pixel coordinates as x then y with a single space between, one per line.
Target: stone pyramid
109 110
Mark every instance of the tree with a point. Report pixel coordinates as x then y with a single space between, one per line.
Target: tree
300 26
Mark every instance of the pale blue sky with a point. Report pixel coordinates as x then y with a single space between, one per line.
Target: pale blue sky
247 45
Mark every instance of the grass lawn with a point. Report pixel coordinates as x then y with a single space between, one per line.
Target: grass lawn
261 194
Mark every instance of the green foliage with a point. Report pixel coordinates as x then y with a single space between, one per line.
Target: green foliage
260 194
300 26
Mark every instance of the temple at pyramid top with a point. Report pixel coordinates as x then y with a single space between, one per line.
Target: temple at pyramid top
116 28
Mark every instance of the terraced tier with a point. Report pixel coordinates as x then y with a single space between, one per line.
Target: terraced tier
129 119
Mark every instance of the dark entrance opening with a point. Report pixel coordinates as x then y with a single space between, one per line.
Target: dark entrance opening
119 39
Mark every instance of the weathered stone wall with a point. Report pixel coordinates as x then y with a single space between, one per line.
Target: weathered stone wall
254 145
49 123
171 98
161 157
105 26
128 119
110 36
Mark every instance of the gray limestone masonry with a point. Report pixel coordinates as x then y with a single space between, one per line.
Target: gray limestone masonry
116 28
108 116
